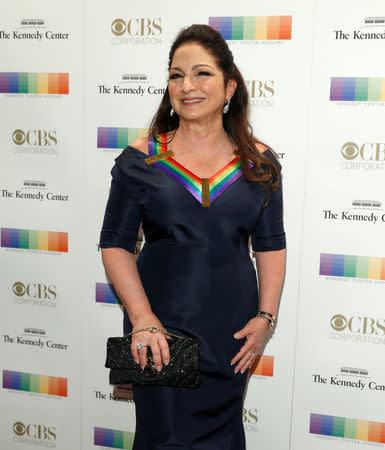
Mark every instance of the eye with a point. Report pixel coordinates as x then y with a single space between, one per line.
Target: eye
174 76
206 74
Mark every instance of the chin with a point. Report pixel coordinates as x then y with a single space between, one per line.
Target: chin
191 116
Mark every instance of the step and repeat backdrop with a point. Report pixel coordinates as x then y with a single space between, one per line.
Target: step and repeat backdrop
78 82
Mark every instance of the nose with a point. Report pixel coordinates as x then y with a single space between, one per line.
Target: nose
188 84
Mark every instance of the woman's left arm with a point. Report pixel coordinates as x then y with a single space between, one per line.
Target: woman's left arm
271 271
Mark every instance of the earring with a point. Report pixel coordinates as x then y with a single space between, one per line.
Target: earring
172 112
226 107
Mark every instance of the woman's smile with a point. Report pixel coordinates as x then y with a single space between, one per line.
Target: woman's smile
191 101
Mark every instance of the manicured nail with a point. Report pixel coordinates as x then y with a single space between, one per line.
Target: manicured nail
232 363
236 335
236 370
158 368
137 361
242 370
166 363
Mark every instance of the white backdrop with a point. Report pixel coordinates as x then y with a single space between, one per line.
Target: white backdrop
317 96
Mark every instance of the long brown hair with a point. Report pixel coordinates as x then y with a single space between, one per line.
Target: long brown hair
235 122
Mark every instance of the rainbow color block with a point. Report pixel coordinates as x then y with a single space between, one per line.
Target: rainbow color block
263 365
43 384
113 438
362 430
357 89
119 137
34 83
261 28
51 241
217 183
105 293
352 266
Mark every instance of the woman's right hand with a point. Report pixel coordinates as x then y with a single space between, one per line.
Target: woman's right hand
157 342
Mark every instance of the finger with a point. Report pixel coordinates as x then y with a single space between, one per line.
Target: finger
243 363
143 357
247 365
253 359
135 352
164 350
241 333
156 355
246 347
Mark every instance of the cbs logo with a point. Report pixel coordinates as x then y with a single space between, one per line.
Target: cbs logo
35 137
33 431
261 89
137 27
34 290
367 152
357 324
249 416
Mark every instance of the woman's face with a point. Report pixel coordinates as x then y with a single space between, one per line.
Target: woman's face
196 84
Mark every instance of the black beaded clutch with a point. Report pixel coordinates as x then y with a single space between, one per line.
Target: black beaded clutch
182 370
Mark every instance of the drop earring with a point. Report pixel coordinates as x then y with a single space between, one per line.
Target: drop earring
226 107
172 112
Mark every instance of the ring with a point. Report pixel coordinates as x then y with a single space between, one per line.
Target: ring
253 354
140 345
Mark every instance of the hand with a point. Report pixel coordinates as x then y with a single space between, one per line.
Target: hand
156 341
256 331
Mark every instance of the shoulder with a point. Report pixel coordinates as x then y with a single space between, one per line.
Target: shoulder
268 153
141 144
261 147
130 161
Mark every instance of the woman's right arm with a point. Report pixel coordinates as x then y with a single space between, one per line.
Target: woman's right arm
121 268
118 239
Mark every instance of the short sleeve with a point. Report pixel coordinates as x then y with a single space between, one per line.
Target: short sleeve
122 216
269 234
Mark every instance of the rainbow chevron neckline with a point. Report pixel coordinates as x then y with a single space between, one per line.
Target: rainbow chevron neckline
215 185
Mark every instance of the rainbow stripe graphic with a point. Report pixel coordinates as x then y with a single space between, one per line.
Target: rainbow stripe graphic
263 365
43 384
357 89
362 430
263 28
352 266
119 137
52 241
218 183
113 438
34 83
105 293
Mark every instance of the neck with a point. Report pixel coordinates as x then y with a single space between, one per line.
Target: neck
202 137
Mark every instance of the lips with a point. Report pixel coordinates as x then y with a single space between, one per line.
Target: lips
191 101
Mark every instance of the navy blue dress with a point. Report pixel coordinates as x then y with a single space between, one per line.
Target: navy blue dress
196 270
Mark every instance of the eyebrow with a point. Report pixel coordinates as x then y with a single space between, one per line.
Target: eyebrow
194 67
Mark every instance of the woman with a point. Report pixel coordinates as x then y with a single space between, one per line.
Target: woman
201 185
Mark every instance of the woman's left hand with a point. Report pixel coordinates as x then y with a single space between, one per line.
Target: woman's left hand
256 330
